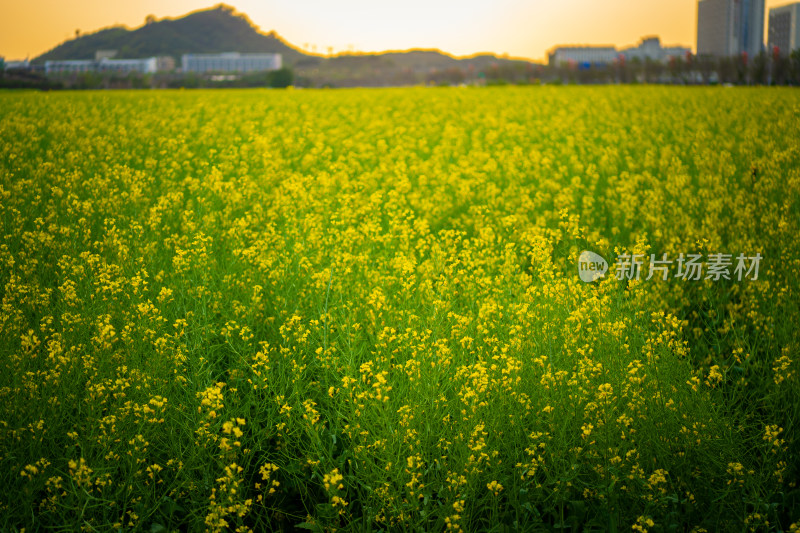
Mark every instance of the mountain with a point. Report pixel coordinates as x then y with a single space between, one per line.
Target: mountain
411 67
222 29
215 30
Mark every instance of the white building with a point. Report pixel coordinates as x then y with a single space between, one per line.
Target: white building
650 48
230 62
71 66
784 28
22 64
146 65
582 55
728 28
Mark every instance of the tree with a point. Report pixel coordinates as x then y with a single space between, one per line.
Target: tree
652 70
780 67
280 78
635 70
727 69
742 68
706 67
760 69
622 70
675 66
794 68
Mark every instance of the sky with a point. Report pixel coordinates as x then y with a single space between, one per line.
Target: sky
518 28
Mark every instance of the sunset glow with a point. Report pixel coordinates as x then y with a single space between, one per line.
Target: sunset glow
515 27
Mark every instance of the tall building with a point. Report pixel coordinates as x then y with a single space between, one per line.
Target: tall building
230 62
784 28
730 27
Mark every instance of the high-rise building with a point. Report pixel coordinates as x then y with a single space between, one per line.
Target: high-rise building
784 28
730 27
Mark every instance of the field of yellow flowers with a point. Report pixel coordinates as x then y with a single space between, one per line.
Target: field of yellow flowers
360 310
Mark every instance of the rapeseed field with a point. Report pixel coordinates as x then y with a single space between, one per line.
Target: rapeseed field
361 310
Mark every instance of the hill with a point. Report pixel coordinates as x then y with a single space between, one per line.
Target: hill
410 67
220 29
223 29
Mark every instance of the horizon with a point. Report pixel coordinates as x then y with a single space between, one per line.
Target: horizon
512 28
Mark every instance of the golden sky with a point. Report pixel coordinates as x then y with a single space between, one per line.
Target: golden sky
520 28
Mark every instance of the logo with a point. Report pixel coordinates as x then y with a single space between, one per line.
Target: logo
690 267
591 266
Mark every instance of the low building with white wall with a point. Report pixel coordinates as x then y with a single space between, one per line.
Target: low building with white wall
147 65
650 48
581 55
230 62
69 66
